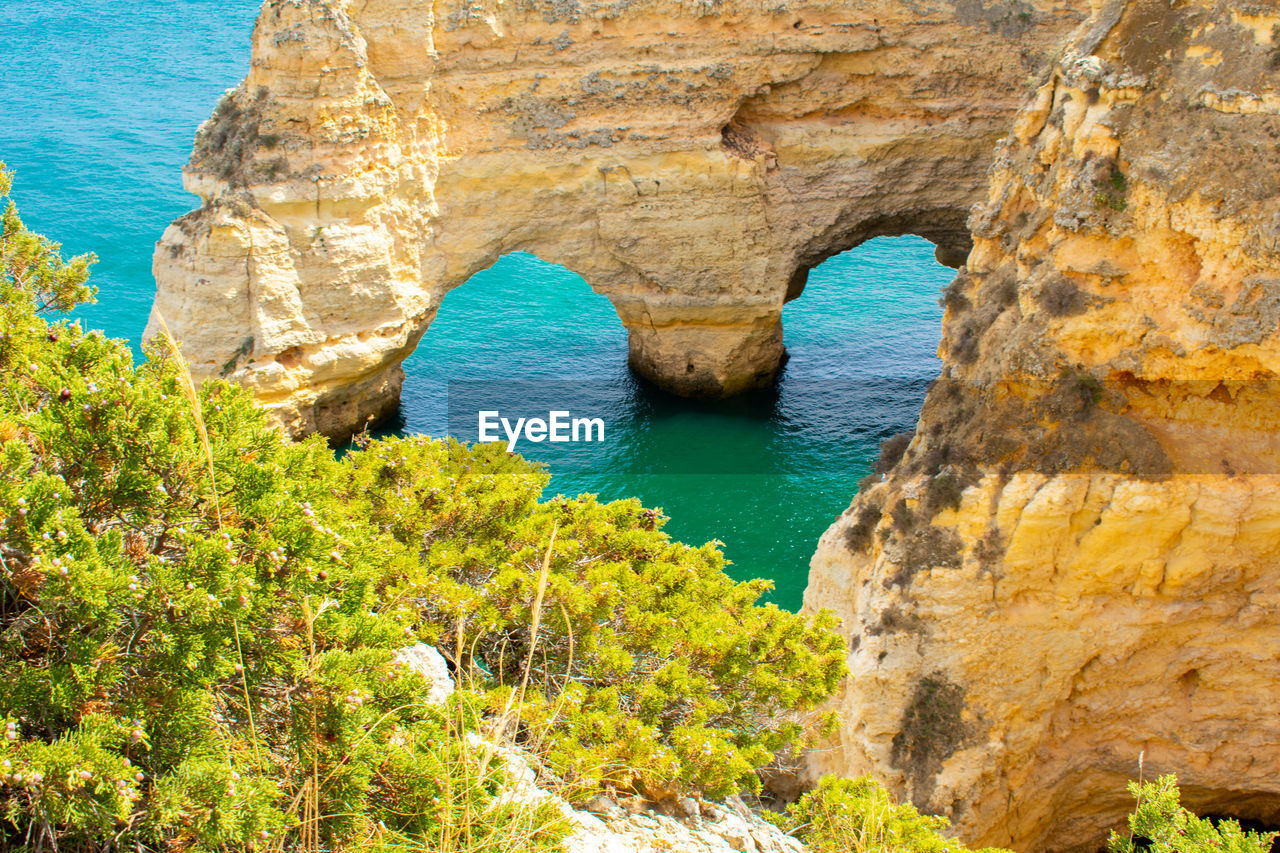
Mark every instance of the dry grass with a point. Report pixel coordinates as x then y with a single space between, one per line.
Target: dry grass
197 414
510 823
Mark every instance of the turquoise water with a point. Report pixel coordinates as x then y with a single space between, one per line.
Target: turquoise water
98 106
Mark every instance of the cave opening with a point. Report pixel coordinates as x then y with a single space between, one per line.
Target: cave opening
764 472
870 316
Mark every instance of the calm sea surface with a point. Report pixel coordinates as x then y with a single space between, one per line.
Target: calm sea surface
98 106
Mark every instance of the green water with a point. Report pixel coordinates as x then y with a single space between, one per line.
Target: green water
98 106
765 474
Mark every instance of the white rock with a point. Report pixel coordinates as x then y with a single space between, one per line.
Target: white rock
429 663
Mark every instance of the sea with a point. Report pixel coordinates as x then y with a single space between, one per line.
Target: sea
99 103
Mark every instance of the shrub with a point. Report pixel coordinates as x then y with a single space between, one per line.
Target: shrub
200 622
1160 824
1000 289
1112 188
953 298
945 491
928 547
933 728
191 666
892 450
857 536
1062 297
859 816
893 619
649 670
31 265
963 340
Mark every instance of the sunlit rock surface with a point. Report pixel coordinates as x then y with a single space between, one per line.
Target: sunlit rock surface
691 160
1077 560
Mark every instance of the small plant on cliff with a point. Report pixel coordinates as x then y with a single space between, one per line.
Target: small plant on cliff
200 622
860 816
945 491
1159 824
933 727
858 535
1112 190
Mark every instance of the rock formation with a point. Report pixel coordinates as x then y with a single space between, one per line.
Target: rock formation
1076 560
692 159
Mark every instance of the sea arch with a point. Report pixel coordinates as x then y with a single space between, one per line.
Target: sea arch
379 154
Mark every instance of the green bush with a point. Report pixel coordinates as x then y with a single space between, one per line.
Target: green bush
860 816
199 621
652 671
1159 824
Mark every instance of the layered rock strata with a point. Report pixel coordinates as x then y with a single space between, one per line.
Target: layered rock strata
691 159
1074 562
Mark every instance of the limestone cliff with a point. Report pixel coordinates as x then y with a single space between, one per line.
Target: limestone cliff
1076 559
692 159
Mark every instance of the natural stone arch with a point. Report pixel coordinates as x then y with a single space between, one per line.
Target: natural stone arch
944 228
685 158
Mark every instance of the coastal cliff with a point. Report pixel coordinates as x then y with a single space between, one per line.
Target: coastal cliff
1069 571
1070 563
691 160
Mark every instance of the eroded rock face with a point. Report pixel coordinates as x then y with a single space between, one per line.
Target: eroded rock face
1076 560
691 160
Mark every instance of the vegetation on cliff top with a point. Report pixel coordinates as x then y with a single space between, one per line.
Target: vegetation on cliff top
199 622
859 816
200 626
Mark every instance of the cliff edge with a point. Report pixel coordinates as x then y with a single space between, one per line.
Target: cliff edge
1072 563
